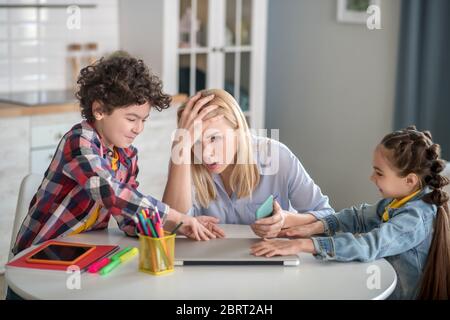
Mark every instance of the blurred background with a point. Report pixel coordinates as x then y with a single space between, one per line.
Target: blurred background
311 68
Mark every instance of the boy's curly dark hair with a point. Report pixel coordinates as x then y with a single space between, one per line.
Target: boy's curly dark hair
117 82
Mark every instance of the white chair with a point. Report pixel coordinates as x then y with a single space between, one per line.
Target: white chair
28 188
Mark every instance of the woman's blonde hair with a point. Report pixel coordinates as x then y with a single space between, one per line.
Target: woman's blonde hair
245 175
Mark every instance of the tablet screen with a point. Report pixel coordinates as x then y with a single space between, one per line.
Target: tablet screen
60 252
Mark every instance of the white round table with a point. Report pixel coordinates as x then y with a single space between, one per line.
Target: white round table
312 279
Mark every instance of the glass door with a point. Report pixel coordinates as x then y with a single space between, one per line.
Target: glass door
238 49
193 46
219 44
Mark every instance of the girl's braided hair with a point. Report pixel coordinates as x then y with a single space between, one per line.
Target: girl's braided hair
413 151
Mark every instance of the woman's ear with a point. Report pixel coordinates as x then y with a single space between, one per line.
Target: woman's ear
97 110
412 180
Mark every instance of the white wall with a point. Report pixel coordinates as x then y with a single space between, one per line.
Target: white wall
141 23
33 42
330 91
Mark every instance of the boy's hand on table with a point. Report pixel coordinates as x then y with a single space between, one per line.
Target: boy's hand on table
192 228
304 231
211 224
272 247
270 227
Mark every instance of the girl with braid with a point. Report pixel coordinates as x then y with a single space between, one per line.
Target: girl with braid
409 227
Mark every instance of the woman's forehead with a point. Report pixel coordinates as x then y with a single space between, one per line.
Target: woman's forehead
221 125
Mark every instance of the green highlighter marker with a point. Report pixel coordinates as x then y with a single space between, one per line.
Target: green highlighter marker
109 267
120 253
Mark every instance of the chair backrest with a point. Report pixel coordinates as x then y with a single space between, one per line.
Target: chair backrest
28 188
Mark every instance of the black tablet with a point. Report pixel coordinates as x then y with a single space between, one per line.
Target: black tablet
61 253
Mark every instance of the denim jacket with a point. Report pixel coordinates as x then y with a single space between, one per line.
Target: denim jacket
404 240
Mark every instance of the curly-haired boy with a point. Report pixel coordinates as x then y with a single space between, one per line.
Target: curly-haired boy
93 172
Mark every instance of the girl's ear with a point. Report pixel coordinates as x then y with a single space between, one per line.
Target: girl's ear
97 110
412 180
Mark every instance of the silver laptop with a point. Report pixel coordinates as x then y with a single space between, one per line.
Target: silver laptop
228 251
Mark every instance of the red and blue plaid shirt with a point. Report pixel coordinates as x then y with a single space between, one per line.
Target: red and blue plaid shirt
79 179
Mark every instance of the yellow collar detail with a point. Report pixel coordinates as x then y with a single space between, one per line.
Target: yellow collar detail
397 204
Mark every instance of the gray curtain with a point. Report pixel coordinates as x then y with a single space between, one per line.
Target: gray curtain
423 80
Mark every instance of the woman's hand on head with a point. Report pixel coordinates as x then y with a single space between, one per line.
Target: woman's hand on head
193 115
210 223
271 226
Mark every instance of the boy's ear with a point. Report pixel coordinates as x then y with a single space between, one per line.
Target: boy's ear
97 110
412 179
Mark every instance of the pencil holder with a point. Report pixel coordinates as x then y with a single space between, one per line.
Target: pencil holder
157 255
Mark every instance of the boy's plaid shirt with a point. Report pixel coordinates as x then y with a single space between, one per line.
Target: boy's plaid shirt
79 179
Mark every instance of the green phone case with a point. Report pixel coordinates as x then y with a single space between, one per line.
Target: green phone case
265 209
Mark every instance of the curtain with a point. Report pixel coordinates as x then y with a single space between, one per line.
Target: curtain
423 75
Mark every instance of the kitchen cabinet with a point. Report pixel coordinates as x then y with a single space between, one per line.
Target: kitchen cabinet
14 165
27 145
154 145
46 132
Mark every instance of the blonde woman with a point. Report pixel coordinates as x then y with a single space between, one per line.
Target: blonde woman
219 169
